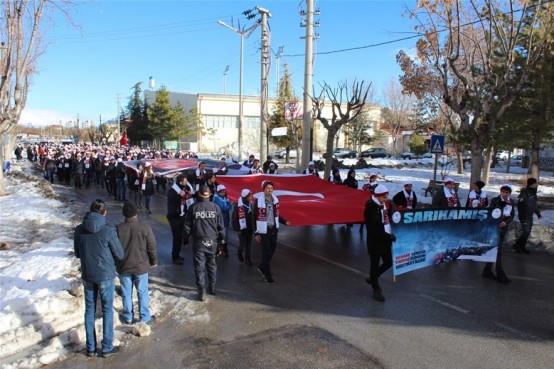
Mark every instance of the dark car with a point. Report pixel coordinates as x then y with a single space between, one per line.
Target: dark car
342 153
376 152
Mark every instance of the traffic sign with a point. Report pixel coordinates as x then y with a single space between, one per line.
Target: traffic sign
437 144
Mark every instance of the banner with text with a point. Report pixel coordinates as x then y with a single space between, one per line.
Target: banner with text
429 237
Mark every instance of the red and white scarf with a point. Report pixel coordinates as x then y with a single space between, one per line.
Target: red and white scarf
242 213
409 199
384 215
256 170
451 197
507 210
144 178
475 200
261 214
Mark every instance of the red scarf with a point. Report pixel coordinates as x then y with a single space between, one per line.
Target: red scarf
453 200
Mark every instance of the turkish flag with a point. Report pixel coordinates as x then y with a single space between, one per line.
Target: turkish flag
123 140
304 199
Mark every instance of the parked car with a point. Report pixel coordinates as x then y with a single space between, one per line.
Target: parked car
375 152
410 155
341 153
281 154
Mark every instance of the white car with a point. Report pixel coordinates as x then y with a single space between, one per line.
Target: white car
409 155
293 153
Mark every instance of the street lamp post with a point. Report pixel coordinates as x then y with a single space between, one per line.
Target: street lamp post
242 34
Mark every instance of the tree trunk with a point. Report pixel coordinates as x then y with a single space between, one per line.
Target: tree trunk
534 170
460 162
476 161
487 165
329 157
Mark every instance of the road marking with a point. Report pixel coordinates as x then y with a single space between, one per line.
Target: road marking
328 261
514 330
444 303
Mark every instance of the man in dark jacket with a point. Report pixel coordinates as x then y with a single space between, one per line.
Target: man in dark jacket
242 224
78 168
98 247
204 223
506 206
120 174
177 197
139 246
379 237
405 199
526 207
446 197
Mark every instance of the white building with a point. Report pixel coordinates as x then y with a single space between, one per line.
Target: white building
221 111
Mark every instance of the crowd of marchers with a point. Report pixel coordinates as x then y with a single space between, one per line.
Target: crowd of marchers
199 211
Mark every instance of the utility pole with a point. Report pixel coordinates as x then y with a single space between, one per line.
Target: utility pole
242 34
225 79
307 133
118 121
266 62
277 58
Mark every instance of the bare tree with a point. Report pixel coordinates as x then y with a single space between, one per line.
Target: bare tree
481 54
346 104
397 109
22 35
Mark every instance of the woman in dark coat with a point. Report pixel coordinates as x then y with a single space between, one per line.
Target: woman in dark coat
147 185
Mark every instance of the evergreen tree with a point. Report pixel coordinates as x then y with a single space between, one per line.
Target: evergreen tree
137 129
165 122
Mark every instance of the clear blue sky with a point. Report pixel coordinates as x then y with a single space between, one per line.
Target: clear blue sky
180 45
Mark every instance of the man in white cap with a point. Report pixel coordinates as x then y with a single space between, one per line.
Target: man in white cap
311 169
446 197
242 224
379 237
371 183
405 199
221 200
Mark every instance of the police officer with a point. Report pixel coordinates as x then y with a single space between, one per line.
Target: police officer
204 222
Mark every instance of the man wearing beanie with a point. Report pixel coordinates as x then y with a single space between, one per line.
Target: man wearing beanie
204 223
526 207
141 254
506 206
477 196
242 224
447 197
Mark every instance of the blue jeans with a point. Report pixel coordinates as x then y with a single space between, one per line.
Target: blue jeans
106 290
140 281
121 189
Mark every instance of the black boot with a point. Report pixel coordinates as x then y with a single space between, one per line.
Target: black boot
211 289
201 294
241 259
502 278
378 295
487 273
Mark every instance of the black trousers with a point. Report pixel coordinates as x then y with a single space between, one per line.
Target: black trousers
245 243
498 267
177 226
526 226
269 244
204 259
376 268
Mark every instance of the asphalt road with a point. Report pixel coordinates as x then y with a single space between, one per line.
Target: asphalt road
320 314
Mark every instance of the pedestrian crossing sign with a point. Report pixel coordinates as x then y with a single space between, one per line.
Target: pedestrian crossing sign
437 144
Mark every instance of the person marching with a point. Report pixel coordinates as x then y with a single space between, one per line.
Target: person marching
526 207
379 237
405 199
243 224
256 168
335 176
199 176
220 199
179 198
267 165
267 218
134 185
78 168
352 182
272 169
139 245
477 197
446 197
204 223
311 169
505 204
371 184
249 162
210 182
147 185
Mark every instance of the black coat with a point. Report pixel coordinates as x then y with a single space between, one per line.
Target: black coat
378 241
139 245
400 200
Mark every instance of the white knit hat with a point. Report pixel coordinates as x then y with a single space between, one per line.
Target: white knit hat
245 192
220 188
380 190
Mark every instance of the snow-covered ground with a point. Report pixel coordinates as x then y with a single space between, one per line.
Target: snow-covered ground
41 303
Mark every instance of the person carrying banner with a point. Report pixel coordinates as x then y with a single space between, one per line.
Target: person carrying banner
477 197
242 224
267 164
379 237
335 176
526 207
179 198
505 204
311 169
199 176
371 183
405 199
147 185
204 223
446 197
220 199
256 168
267 218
